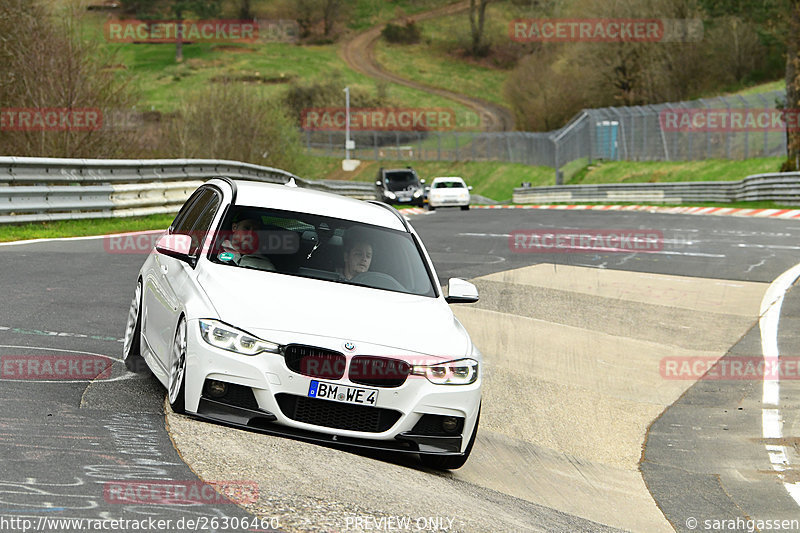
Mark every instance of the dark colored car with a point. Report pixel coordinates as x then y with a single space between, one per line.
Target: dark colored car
400 186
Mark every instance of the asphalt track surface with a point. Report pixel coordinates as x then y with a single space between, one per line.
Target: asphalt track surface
65 445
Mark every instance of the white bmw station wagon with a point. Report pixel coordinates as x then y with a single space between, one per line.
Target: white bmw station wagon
286 311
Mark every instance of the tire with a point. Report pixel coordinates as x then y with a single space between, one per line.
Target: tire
177 371
431 208
465 208
132 349
452 462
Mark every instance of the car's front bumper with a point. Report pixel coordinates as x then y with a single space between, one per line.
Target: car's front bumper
265 422
272 382
448 202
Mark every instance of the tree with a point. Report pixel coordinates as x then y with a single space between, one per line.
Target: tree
306 15
309 13
246 10
37 47
200 8
174 10
238 122
793 82
477 18
779 19
331 11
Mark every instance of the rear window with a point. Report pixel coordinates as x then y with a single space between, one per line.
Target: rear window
448 185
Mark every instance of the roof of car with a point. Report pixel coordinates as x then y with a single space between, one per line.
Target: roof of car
448 178
269 195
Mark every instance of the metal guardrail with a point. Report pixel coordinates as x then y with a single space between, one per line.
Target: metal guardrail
41 189
783 188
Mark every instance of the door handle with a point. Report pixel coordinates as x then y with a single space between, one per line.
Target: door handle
164 269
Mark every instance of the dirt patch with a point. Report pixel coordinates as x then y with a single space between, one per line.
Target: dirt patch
252 78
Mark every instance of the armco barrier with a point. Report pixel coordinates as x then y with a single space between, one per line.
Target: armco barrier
782 188
39 189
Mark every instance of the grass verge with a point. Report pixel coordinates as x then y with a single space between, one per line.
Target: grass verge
497 180
82 228
661 171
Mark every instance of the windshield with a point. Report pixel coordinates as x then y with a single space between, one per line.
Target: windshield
400 180
448 185
320 247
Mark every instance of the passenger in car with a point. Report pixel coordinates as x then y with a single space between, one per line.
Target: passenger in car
357 253
244 242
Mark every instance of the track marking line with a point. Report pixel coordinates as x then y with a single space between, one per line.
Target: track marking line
785 214
771 419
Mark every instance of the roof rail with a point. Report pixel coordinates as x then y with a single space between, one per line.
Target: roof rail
394 211
230 182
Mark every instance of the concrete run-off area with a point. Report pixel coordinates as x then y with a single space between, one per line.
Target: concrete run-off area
572 383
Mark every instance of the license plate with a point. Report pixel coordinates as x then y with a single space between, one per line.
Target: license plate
342 393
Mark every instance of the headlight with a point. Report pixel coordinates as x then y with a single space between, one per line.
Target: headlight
390 195
417 193
229 338
460 372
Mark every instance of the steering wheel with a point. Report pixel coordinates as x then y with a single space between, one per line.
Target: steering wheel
379 280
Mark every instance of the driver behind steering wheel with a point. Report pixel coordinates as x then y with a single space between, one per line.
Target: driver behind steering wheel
357 253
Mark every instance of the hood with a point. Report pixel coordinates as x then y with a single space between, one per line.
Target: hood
290 309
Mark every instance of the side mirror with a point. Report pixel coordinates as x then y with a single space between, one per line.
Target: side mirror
378 183
175 245
461 292
422 181
469 187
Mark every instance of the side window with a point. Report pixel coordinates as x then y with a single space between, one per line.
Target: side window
196 217
187 215
209 203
